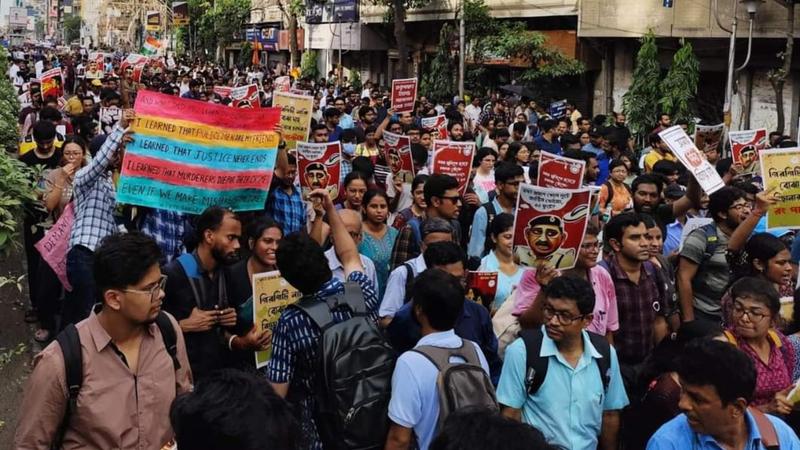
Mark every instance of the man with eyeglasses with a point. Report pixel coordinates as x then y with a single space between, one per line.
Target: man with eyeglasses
346 120
129 378
703 272
576 405
353 223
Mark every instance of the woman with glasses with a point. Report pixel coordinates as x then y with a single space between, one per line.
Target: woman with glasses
605 316
754 313
501 258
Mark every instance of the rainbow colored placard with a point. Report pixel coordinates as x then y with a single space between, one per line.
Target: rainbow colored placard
188 155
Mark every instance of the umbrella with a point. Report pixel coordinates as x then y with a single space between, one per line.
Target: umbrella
522 91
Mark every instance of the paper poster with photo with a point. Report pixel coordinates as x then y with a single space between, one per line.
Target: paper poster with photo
397 152
271 295
318 167
404 95
134 63
52 83
245 97
94 66
109 116
482 287
745 146
693 159
560 172
549 225
780 171
282 84
436 124
708 137
454 159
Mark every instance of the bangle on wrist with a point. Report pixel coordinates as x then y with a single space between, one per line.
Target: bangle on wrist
230 342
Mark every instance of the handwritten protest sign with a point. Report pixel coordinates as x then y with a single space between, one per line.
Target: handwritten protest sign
549 225
52 83
189 155
454 159
397 151
436 124
559 172
558 109
404 94
745 146
295 116
708 137
271 295
695 162
482 287
55 244
318 166
780 170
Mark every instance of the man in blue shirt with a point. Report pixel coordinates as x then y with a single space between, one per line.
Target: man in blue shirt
548 141
332 117
571 407
414 405
718 381
507 177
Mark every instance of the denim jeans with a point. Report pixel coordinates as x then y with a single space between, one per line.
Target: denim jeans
78 303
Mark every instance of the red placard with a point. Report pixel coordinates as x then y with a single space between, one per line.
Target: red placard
397 151
454 159
482 287
438 124
559 172
549 225
404 94
318 167
52 84
245 97
745 146
282 84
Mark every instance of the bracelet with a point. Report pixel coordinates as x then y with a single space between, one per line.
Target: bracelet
230 342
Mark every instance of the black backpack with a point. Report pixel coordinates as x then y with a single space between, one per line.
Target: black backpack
409 282
491 213
354 369
70 343
459 385
536 365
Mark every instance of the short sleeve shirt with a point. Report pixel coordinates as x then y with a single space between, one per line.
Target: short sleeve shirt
708 285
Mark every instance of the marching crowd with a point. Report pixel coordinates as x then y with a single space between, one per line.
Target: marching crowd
656 338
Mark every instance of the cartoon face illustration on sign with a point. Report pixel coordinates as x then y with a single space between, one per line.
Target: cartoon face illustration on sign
545 235
748 156
316 175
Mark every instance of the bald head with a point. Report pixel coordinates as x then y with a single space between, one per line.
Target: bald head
352 223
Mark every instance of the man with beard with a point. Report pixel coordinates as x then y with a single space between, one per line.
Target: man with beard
703 272
545 234
647 199
196 292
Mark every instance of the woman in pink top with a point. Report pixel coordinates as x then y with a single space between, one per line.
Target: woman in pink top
528 305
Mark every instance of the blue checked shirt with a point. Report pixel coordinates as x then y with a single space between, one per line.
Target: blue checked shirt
294 350
94 195
289 210
167 228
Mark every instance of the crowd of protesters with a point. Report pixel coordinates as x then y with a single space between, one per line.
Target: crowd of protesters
653 340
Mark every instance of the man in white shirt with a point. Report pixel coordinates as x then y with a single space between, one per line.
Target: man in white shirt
474 110
352 222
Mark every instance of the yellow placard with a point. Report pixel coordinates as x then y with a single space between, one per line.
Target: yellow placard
295 116
780 170
271 295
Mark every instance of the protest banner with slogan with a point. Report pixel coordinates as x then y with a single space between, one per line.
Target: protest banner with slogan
549 225
282 84
708 137
482 287
245 97
55 244
318 167
780 170
454 159
189 155
695 162
559 172
404 94
52 83
558 109
436 124
180 14
295 116
271 295
397 151
109 116
745 146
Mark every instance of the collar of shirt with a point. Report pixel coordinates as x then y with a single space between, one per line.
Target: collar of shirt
419 263
333 260
99 334
438 338
549 348
753 437
619 273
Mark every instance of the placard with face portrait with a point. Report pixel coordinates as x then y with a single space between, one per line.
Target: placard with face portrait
318 167
745 146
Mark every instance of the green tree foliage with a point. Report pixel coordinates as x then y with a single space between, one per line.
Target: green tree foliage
396 15
355 79
679 87
641 102
9 107
72 28
214 24
439 79
308 65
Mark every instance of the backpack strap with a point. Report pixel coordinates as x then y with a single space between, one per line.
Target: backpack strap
769 437
610 189
169 337
416 230
70 343
409 282
440 357
535 365
491 213
190 268
320 311
712 240
603 364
